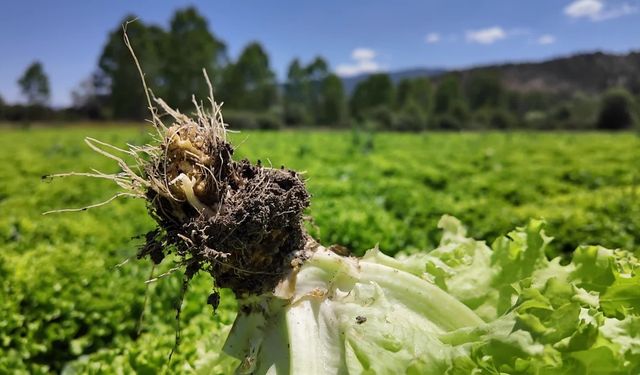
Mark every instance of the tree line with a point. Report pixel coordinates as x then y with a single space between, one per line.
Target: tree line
312 95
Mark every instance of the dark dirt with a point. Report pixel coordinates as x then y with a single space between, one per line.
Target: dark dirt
249 232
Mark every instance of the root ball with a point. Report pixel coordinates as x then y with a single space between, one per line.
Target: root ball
240 222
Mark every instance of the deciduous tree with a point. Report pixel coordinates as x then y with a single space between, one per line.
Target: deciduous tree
375 92
249 83
34 84
447 93
333 103
189 48
118 74
296 93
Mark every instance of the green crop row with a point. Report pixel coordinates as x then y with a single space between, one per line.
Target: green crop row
68 303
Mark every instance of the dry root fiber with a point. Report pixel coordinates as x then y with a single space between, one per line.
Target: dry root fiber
240 222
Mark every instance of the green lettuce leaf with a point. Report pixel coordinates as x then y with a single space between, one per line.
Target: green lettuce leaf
462 308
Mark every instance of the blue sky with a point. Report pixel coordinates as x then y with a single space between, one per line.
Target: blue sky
354 36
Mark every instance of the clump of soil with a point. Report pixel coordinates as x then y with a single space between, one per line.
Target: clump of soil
242 223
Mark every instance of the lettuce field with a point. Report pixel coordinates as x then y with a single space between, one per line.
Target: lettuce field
73 296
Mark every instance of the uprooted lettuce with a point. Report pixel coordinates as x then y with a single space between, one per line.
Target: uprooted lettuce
461 308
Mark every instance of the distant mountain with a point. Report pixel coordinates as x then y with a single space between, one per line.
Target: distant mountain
586 72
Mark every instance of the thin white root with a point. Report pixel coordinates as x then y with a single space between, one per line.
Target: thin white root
162 275
94 205
121 163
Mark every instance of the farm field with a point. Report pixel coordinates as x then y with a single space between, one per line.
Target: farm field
72 302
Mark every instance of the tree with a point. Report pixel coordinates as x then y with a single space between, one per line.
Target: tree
296 77
2 105
296 93
189 48
416 91
616 110
413 103
316 72
484 89
447 93
529 101
493 118
88 98
422 92
333 104
118 75
250 83
403 93
304 99
34 85
375 91
411 117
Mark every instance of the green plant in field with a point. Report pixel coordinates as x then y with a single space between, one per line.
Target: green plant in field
394 196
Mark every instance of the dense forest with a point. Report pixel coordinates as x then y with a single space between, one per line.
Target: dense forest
589 91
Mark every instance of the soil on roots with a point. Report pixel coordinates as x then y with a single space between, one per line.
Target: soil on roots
242 223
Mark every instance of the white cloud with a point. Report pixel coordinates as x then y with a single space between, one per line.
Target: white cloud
432 38
363 54
546 39
622 10
489 35
596 10
363 62
584 8
349 70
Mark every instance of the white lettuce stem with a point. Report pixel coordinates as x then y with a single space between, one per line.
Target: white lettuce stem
314 323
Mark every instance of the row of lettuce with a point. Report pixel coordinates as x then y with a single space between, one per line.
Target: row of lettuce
71 301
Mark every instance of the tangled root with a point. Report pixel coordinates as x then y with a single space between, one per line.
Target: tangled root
240 222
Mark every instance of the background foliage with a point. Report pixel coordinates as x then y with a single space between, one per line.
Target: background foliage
588 91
